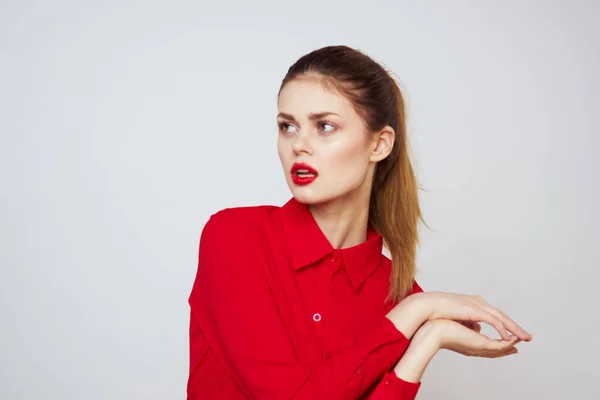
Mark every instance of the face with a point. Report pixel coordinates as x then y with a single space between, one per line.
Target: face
324 146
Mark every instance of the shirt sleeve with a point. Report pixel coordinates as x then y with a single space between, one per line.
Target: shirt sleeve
232 303
391 387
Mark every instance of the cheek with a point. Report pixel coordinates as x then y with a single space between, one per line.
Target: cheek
347 153
348 160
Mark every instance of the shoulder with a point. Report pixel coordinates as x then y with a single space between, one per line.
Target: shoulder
241 217
235 226
229 252
228 241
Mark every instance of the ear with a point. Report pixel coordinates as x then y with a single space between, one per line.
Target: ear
383 142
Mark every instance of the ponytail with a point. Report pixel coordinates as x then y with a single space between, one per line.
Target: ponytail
394 206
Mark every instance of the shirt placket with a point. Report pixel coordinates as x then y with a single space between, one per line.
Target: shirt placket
321 316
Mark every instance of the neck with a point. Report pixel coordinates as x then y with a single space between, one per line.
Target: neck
343 220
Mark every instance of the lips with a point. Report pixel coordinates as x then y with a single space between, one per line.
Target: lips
303 174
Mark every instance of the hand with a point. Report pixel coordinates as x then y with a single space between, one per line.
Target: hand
470 309
475 326
463 338
459 338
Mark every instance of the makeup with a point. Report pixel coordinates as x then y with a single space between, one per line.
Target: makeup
303 174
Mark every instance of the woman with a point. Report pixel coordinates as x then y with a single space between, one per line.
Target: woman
297 301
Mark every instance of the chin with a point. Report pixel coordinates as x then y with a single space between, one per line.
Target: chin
305 197
311 196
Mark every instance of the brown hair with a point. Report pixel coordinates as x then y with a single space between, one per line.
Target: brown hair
394 205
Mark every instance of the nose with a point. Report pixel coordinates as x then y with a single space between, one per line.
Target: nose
301 144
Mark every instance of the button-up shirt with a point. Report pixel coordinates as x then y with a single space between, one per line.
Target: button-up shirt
278 313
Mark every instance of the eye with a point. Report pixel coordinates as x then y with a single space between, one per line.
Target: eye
323 124
283 126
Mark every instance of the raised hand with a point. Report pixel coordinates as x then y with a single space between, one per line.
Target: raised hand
470 309
460 339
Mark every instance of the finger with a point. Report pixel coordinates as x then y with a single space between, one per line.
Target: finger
508 322
481 345
510 351
473 325
511 325
488 345
491 319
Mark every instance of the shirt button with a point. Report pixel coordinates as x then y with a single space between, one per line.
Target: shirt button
317 317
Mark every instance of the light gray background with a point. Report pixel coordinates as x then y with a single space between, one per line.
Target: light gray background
125 124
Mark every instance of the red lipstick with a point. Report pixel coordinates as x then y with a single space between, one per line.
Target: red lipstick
303 174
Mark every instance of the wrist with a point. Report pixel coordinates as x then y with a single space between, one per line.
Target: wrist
424 300
420 307
429 335
410 314
423 347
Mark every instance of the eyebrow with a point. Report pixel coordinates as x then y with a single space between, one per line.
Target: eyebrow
311 116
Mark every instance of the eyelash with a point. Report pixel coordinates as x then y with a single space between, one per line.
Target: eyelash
283 125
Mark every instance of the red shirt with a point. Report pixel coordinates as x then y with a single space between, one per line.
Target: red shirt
278 313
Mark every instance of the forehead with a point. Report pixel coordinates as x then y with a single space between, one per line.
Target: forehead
303 96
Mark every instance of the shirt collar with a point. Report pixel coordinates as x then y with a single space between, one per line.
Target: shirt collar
308 244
